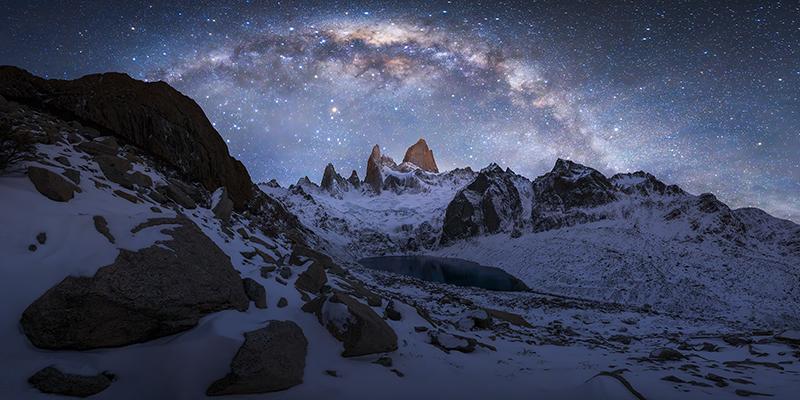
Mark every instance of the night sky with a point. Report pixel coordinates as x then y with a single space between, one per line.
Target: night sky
702 95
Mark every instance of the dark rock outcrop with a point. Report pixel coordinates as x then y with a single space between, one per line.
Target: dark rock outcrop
150 115
271 359
52 185
146 294
489 204
255 292
374 177
561 194
332 182
353 180
51 380
420 155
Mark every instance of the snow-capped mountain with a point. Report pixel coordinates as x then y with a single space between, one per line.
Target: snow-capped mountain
629 238
140 261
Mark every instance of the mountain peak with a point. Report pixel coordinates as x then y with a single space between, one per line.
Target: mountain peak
420 155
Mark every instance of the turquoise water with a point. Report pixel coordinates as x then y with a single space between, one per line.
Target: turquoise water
453 271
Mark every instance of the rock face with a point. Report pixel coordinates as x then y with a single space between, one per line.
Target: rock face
374 177
150 115
420 155
271 359
146 294
52 185
489 204
332 182
353 180
356 325
51 380
560 194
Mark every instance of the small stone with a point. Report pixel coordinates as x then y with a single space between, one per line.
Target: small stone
385 361
420 329
53 381
255 292
101 225
73 175
32 247
155 209
63 161
397 372
666 354
285 272
41 237
391 313
332 373
281 281
282 302
127 196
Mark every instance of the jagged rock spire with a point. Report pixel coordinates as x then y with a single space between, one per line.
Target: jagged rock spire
420 155
374 177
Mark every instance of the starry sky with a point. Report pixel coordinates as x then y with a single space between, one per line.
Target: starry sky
704 95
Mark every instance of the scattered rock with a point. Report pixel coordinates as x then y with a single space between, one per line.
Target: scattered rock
140 179
447 342
177 195
63 161
115 169
385 361
391 313
282 302
51 185
621 339
271 359
53 381
255 292
101 225
127 196
420 329
792 337
673 378
737 341
285 272
718 380
312 279
224 207
143 295
666 354
747 393
514 319
355 324
41 237
73 175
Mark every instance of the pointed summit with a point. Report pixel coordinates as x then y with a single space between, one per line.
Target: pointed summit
420 155
374 179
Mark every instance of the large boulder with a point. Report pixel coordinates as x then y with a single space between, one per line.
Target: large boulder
146 294
150 115
51 380
356 325
52 185
313 278
271 359
420 155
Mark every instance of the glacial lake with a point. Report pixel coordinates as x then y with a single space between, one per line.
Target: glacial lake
453 271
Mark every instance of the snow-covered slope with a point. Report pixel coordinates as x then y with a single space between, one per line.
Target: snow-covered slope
573 232
106 240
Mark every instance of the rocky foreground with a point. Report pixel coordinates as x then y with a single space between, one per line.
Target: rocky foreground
140 261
